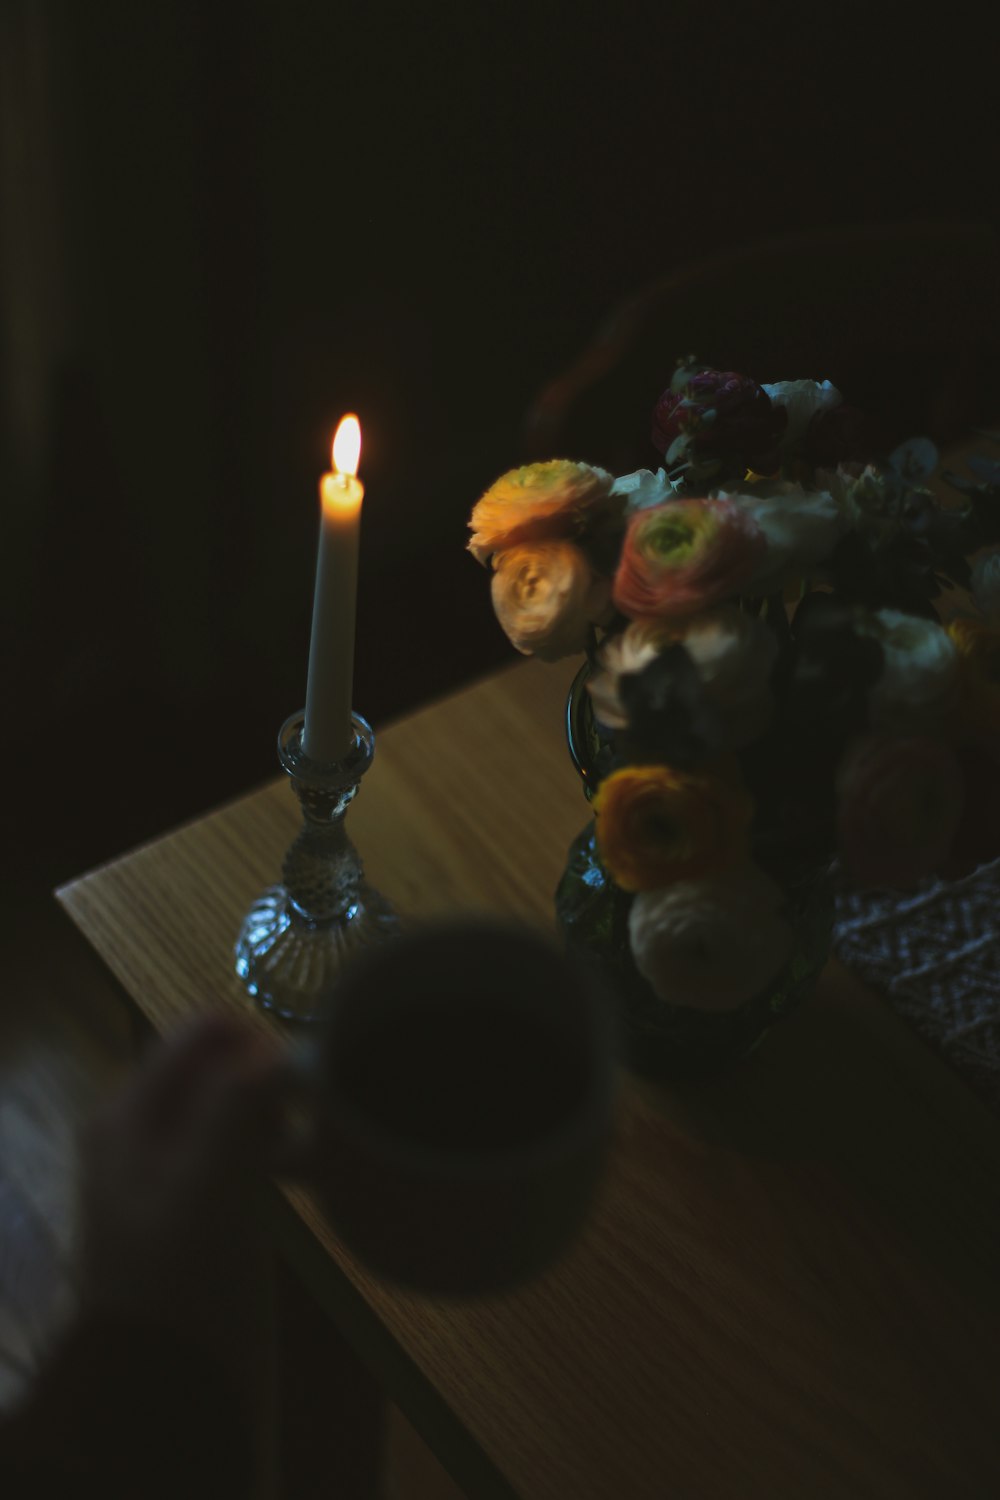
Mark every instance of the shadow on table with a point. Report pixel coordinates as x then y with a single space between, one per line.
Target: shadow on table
844 1105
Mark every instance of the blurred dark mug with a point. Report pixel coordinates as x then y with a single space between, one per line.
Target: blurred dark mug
463 1104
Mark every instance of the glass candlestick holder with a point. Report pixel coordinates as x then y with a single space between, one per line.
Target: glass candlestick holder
298 935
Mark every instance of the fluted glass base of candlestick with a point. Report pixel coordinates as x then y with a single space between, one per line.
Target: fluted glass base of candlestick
298 935
290 967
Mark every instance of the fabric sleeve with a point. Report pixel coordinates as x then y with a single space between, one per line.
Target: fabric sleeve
135 1411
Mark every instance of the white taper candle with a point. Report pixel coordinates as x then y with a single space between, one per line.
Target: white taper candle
328 730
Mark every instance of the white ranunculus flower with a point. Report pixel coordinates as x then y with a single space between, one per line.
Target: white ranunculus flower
643 489
986 584
546 595
712 943
735 653
802 399
846 483
629 651
919 681
801 528
732 652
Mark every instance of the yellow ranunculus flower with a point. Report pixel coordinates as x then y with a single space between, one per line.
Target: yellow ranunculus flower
550 501
979 651
656 825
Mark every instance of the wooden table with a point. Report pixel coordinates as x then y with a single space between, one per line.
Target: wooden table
788 1287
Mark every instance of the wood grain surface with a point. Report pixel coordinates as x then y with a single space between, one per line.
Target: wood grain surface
788 1285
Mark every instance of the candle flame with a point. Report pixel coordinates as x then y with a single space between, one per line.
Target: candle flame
347 445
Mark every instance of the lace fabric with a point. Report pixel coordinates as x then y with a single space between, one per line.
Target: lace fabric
935 955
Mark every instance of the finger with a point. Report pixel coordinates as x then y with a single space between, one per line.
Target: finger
292 1151
240 1109
160 1091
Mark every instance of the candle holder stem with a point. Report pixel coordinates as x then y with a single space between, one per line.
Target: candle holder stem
298 935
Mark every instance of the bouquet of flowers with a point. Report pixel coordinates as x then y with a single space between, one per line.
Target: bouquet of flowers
770 681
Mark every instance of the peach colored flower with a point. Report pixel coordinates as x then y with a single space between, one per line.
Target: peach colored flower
656 825
546 596
900 806
684 555
711 944
539 502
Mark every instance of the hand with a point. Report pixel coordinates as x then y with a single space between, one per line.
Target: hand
170 1209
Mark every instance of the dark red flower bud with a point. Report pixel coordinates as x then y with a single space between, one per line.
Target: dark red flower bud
723 416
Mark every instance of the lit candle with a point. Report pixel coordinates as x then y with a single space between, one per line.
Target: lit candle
328 731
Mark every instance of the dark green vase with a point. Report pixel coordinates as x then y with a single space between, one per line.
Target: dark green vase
663 1040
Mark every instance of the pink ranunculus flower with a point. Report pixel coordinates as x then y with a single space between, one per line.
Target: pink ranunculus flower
682 556
546 596
900 808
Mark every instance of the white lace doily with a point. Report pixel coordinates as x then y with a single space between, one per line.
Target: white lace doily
935 955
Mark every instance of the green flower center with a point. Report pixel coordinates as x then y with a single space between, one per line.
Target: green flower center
544 476
672 538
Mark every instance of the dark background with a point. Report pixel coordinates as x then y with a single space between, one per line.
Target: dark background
224 225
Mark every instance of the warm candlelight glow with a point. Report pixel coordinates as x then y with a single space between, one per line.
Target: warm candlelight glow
347 445
341 491
329 730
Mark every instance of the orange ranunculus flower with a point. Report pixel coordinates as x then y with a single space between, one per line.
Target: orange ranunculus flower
550 501
978 646
656 825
